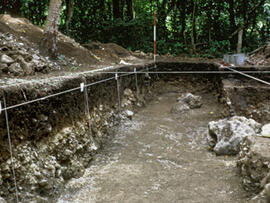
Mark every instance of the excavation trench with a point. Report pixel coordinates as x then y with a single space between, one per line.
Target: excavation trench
161 157
63 154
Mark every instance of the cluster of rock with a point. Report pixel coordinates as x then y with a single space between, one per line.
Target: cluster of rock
17 58
185 103
249 139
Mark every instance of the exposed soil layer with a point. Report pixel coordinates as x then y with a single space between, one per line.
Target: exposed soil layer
248 98
162 157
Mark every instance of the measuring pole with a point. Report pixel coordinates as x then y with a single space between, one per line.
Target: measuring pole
155 37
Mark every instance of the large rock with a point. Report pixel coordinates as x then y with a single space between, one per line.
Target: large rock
226 135
6 59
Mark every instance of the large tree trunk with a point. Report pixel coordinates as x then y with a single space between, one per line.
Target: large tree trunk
193 27
232 23
116 10
49 41
130 15
209 21
69 14
183 5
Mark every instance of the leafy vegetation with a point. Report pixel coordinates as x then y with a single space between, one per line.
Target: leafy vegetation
129 23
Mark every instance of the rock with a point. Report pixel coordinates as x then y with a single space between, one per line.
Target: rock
185 103
2 200
266 130
254 163
226 135
27 67
74 169
179 107
3 67
6 59
15 69
129 114
191 100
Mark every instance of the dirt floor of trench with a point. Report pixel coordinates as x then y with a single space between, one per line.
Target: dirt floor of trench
161 157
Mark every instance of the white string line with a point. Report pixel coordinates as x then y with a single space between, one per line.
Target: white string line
249 76
56 94
100 71
59 77
11 154
130 73
183 72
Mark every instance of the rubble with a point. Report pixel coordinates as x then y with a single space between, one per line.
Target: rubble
18 58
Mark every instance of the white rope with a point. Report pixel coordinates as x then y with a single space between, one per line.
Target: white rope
142 72
11 154
249 76
184 72
54 95
42 81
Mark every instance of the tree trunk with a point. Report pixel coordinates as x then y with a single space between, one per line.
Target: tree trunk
69 14
240 41
49 41
245 17
193 28
116 9
130 15
182 8
232 23
209 21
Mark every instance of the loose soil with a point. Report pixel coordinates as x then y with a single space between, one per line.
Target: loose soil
160 157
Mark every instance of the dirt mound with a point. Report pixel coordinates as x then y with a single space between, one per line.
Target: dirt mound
110 52
20 35
260 56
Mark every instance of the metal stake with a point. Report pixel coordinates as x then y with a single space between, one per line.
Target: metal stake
136 78
118 92
11 154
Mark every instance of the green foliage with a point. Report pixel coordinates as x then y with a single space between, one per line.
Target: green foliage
217 48
93 20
